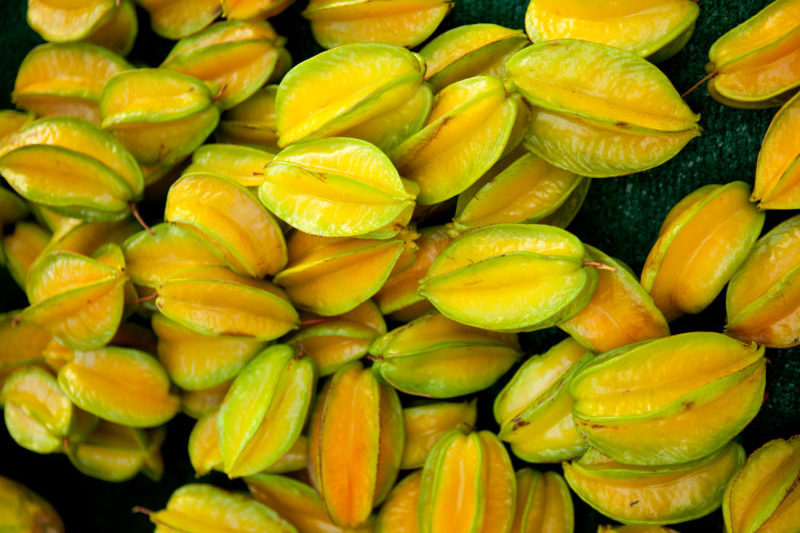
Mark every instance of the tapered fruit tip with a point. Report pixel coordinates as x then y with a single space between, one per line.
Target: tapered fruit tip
139 219
705 78
599 266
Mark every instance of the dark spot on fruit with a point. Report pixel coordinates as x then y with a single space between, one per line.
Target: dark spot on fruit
634 502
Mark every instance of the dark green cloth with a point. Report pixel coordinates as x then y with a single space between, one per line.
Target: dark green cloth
621 216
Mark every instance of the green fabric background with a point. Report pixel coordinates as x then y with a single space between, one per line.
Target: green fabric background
621 216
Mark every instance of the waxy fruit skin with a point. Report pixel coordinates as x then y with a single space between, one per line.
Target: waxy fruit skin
777 184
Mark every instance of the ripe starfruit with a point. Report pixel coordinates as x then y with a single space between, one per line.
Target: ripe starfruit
114 452
401 23
467 51
196 508
199 403
778 171
763 495
21 249
467 485
242 164
120 385
69 21
22 343
236 56
159 115
756 64
356 440
337 187
654 494
297 503
763 302
668 401
544 503
333 275
65 79
174 19
466 133
436 357
12 207
331 93
119 32
656 29
511 277
253 9
335 341
216 301
599 111
21 509
534 410
425 423
398 514
635 529
265 410
230 218
87 238
620 311
73 167
703 241
251 123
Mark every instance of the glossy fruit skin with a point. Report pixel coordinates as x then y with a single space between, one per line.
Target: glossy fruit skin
23 510
778 170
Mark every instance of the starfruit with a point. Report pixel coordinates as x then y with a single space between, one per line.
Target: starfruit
120 385
656 29
466 133
204 451
174 19
113 452
38 414
87 238
238 57
511 277
521 187
424 424
599 111
253 9
398 514
73 167
333 275
778 170
333 342
22 247
635 529
654 494
65 79
653 402
331 93
196 508
402 23
399 297
78 300
159 115
534 409
620 311
231 219
763 304
198 403
471 50
69 21
701 244
22 343
265 410
336 187
251 123
216 301
544 503
195 361
467 485
356 441
436 357
763 495
756 64
22 510
152 257
12 207
242 164
119 32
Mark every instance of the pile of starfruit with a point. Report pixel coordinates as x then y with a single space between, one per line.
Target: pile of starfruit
339 267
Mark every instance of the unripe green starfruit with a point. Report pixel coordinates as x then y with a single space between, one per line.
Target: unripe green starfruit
251 123
668 401
356 440
425 423
73 167
436 357
654 494
599 111
534 410
701 244
23 510
544 503
511 277
265 410
467 485
778 169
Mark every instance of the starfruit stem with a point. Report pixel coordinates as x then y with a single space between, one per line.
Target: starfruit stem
699 83
139 219
16 320
599 266
301 352
373 358
142 510
220 92
147 298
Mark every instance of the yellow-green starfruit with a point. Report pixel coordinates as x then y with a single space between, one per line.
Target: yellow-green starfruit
242 164
22 510
425 423
398 514
544 503
251 123
778 169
